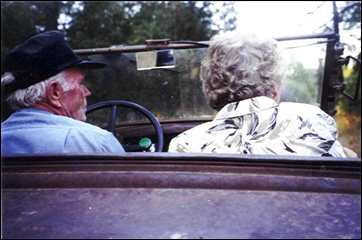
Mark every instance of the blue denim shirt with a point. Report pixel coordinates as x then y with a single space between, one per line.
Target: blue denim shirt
35 131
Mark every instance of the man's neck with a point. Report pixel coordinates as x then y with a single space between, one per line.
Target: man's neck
49 108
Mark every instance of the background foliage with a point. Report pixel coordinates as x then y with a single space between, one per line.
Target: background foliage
104 23
348 115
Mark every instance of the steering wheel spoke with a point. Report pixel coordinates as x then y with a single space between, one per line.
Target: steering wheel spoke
112 120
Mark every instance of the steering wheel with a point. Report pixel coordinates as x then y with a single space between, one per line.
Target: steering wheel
112 119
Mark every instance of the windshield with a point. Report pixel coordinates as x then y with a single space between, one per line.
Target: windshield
175 94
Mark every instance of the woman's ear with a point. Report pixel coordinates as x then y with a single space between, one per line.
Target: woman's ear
276 94
54 92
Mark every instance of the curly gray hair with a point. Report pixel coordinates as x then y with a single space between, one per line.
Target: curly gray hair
239 67
35 93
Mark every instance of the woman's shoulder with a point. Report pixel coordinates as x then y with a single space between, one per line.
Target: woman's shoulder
301 116
302 109
299 106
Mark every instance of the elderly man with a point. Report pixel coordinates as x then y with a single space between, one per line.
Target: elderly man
241 78
44 83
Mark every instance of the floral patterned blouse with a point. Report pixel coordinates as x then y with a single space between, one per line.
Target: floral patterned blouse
261 126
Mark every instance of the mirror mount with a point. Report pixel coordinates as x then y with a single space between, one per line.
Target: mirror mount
157 42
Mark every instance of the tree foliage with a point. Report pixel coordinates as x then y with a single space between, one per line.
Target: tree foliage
89 24
348 115
350 17
227 16
351 75
300 84
104 23
351 14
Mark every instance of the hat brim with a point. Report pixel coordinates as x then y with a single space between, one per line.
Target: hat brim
90 64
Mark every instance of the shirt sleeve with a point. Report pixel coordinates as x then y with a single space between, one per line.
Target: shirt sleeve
178 144
312 132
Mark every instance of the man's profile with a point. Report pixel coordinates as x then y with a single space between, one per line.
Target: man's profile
44 83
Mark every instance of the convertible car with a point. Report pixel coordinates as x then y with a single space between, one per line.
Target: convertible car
149 94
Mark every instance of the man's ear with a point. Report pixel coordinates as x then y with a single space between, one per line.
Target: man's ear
54 93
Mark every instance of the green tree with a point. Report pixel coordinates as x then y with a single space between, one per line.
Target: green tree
350 88
348 115
100 24
227 17
300 84
105 23
175 20
350 17
20 20
9 20
351 14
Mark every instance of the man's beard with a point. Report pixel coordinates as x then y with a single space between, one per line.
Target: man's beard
82 114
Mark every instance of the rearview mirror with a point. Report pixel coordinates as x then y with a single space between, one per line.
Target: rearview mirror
155 59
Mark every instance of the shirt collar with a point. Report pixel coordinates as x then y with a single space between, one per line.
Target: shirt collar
236 109
31 110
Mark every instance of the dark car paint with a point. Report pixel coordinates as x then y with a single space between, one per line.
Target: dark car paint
164 195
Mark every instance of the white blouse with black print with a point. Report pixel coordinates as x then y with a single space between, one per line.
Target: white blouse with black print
262 126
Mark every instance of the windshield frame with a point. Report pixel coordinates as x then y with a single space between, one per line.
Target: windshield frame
332 79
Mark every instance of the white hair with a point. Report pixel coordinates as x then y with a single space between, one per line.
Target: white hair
24 98
240 66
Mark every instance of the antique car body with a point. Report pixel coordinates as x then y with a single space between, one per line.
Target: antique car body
184 195
165 195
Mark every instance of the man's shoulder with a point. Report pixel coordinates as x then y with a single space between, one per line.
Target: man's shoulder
67 122
84 126
86 137
40 119
36 128
49 119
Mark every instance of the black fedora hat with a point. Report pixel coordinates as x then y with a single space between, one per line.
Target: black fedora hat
40 57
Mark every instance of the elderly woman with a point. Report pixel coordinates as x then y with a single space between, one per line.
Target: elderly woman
241 77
